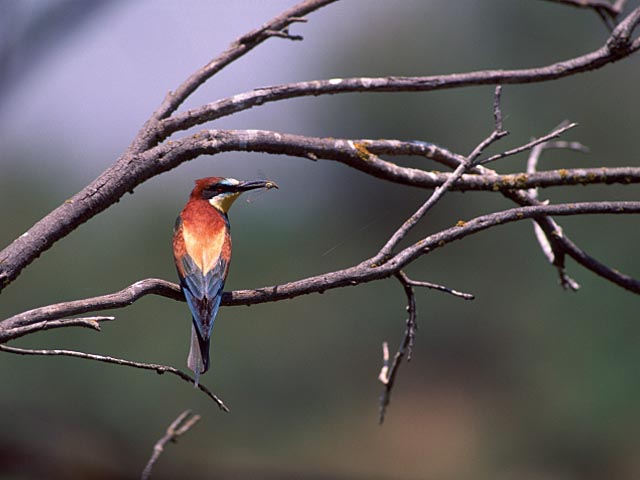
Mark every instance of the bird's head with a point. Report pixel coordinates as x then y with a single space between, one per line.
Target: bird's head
222 192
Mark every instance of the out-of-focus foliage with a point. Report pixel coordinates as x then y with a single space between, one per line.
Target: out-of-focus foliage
527 381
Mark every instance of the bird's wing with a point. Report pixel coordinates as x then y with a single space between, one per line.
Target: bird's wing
203 292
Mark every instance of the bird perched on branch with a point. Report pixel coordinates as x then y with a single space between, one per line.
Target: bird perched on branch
202 252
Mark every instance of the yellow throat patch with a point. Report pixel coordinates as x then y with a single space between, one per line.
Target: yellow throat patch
224 201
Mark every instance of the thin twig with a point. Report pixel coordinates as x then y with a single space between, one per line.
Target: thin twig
438 193
497 109
240 47
536 152
160 369
408 224
440 288
555 256
498 130
181 425
606 11
389 370
528 146
48 324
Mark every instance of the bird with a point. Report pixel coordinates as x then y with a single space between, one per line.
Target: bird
202 253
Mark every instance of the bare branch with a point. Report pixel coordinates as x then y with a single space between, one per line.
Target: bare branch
617 46
364 272
181 425
87 322
358 155
131 169
127 173
404 229
551 249
592 4
278 26
389 371
606 11
498 131
464 165
440 288
536 152
363 156
528 146
564 145
26 322
160 369
620 39
497 110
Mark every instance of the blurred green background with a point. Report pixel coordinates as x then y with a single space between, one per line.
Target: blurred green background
527 381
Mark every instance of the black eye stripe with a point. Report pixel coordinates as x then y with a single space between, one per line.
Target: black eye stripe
219 188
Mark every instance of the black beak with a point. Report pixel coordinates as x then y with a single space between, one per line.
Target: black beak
244 186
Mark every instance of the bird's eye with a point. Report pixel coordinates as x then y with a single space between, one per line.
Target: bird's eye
217 189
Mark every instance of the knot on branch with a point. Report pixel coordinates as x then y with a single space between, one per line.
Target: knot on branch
620 42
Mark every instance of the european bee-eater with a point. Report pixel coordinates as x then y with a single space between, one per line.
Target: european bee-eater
202 252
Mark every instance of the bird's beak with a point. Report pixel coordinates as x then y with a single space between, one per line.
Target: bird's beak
244 186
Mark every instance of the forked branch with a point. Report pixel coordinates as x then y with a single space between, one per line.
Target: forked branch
181 425
133 168
364 272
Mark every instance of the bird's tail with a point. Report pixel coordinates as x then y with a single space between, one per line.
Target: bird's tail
198 360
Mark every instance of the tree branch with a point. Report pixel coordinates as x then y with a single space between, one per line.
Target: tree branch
363 154
23 323
551 248
131 169
364 272
358 155
160 369
528 146
606 10
389 371
178 427
464 165
127 172
440 288
616 47
26 329
276 27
